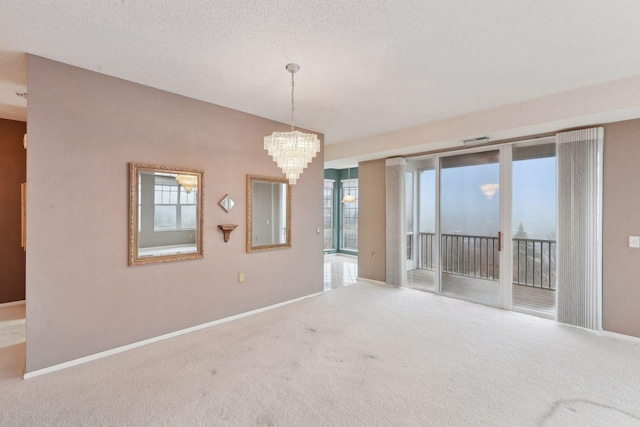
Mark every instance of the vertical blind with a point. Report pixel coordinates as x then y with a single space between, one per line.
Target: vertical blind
395 177
579 160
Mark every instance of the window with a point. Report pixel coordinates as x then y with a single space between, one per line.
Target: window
174 208
328 214
409 219
139 205
350 216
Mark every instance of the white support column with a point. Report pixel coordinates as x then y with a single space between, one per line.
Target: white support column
396 261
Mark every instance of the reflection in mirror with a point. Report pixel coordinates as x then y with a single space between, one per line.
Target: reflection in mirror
268 213
165 214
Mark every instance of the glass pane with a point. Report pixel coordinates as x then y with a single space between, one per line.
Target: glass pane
187 198
534 227
172 194
470 221
409 223
470 200
165 218
139 204
409 198
423 277
282 214
188 217
350 216
328 214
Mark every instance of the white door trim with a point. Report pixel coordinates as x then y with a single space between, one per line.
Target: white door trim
506 253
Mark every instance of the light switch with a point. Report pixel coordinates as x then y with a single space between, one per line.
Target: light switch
634 241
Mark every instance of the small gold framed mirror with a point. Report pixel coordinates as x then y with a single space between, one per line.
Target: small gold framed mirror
268 213
165 213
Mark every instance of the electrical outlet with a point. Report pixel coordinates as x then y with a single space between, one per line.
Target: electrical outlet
373 255
241 277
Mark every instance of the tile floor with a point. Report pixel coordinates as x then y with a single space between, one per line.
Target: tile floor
339 270
12 326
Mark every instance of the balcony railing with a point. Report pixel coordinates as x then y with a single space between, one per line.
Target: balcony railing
477 256
534 263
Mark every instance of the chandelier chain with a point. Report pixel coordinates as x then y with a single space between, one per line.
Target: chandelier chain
292 108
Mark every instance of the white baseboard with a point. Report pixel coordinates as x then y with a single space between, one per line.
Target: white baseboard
621 336
12 303
375 282
127 347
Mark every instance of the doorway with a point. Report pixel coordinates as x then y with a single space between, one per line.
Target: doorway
481 226
341 196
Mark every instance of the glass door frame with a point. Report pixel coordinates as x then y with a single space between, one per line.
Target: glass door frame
506 252
411 263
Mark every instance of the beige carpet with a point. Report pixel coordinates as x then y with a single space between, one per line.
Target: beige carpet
362 355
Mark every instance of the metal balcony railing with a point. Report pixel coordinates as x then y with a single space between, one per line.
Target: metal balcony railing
534 260
534 263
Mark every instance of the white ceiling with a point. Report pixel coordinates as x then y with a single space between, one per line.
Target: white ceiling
367 66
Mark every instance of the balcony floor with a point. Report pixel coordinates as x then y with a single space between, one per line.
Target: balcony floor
484 291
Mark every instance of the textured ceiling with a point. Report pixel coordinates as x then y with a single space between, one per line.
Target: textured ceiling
367 66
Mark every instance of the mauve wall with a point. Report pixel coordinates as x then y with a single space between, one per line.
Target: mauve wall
12 173
621 264
371 220
82 298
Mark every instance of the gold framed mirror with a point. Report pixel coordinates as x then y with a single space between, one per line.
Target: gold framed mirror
268 213
165 213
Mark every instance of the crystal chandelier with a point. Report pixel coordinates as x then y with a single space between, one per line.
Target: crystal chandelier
292 151
187 182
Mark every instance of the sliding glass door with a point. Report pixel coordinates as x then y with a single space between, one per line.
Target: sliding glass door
483 226
469 224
